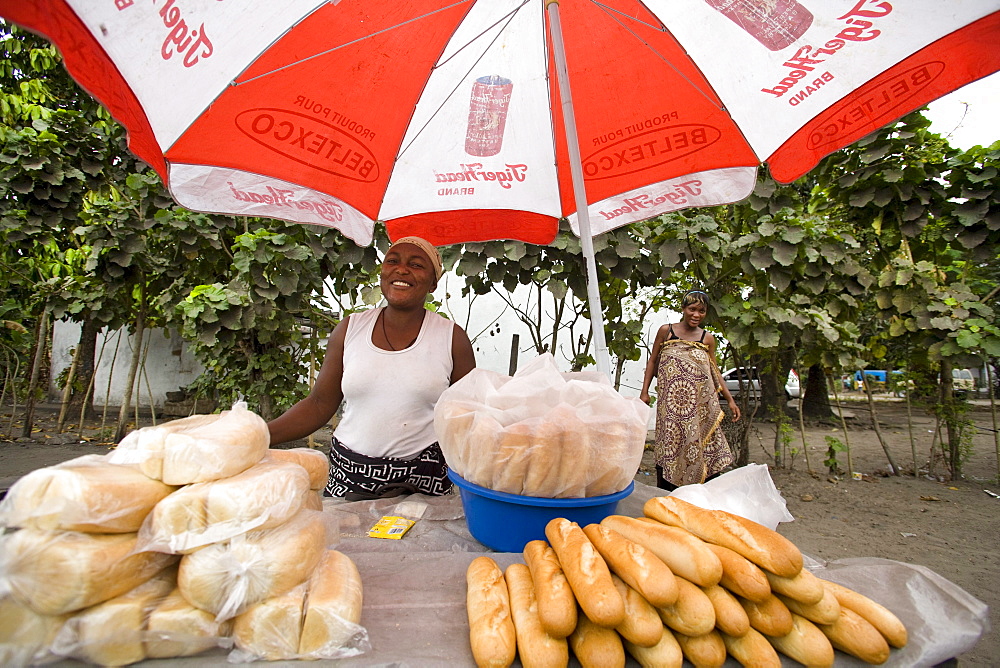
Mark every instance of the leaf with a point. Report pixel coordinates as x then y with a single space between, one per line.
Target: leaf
784 252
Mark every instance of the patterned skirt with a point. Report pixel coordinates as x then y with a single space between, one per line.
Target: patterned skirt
357 477
689 445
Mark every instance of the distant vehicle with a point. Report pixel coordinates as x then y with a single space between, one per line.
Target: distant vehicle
962 381
746 378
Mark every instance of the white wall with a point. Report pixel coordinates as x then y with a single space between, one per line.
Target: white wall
169 366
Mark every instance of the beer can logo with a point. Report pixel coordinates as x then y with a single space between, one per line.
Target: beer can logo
487 115
774 23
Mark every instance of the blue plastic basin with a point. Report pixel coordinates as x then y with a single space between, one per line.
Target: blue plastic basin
507 522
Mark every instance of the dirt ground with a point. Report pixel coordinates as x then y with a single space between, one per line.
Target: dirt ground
949 526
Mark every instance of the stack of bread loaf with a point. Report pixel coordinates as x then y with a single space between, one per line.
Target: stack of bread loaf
541 432
681 583
180 540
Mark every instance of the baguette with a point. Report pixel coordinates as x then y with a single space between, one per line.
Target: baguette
804 587
824 611
740 575
535 647
770 616
764 547
269 629
637 566
876 614
487 603
86 494
805 644
514 451
693 614
642 625
556 603
587 573
752 650
89 568
851 634
666 653
596 646
316 464
686 555
730 617
333 607
542 475
176 628
704 651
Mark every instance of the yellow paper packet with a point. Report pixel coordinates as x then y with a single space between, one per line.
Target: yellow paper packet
390 527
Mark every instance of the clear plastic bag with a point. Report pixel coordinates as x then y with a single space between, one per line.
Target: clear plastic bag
747 491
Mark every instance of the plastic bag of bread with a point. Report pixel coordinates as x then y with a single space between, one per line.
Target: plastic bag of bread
88 494
25 635
315 620
176 628
313 461
541 432
197 448
265 495
112 633
227 578
57 572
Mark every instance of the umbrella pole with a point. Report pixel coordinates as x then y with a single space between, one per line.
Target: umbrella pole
601 353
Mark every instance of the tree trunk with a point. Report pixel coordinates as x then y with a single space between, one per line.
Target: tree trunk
41 340
814 401
87 348
140 326
947 398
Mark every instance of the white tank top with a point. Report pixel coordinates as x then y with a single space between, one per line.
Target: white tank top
389 396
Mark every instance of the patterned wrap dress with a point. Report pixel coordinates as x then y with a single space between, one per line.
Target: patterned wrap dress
689 444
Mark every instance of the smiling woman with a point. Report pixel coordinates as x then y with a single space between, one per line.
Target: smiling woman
388 366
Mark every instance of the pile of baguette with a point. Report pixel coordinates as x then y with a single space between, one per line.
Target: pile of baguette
541 432
680 583
190 535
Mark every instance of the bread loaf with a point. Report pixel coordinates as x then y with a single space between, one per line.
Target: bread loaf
111 633
804 587
227 578
761 545
666 653
542 475
25 635
693 614
264 496
197 448
575 452
535 647
642 625
805 644
770 616
481 444
686 555
637 566
740 575
333 607
514 449
176 628
824 611
269 629
556 603
730 617
596 646
752 650
90 568
87 494
851 634
891 628
491 628
587 573
706 650
316 464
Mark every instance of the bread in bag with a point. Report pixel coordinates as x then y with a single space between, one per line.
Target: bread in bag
333 607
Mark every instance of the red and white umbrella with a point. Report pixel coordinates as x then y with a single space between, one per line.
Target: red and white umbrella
454 119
